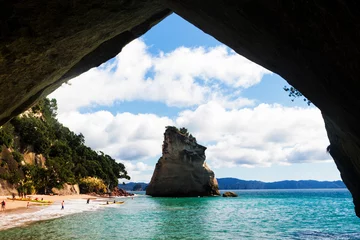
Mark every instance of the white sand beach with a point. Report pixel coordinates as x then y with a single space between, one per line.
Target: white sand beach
17 213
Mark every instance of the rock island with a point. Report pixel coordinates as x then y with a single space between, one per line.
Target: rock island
181 170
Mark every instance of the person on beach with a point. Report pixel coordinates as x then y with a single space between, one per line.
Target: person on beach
62 205
3 205
28 204
87 201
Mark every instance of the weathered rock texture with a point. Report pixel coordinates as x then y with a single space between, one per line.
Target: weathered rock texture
119 192
34 159
229 194
67 190
7 189
182 171
314 45
45 43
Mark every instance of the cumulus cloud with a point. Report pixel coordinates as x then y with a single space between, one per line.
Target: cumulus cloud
260 136
184 77
124 136
139 172
210 81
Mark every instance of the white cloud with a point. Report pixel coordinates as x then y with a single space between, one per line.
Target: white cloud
260 136
139 172
219 63
210 80
124 136
184 77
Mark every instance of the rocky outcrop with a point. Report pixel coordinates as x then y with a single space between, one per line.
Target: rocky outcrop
182 171
314 45
7 189
119 192
34 159
229 194
67 189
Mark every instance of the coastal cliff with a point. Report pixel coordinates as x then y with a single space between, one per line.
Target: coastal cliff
40 155
181 170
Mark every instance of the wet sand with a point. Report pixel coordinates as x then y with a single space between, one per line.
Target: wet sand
13 206
17 214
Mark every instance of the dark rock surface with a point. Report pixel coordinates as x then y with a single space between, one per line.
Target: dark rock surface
45 43
314 45
229 194
119 192
181 171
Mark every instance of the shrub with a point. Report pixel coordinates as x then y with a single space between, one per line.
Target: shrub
92 184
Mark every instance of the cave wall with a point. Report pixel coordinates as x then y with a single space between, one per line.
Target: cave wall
314 45
45 43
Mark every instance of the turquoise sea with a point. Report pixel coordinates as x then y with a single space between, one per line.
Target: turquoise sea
255 214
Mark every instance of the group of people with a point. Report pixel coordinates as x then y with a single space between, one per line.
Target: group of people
3 205
107 202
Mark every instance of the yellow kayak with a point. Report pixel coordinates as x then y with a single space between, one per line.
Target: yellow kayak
113 203
29 200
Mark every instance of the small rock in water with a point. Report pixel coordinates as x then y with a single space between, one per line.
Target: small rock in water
229 194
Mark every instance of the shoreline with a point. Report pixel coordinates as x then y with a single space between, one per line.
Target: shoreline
18 206
17 214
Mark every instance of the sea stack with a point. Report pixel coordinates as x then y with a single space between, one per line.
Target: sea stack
181 170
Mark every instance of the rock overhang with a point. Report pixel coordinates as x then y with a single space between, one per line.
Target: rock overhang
313 45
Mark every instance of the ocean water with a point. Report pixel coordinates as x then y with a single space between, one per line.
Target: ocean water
255 214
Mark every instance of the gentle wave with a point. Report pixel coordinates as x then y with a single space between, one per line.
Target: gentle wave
53 211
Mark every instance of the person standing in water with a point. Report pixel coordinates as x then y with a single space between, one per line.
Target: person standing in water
62 205
3 205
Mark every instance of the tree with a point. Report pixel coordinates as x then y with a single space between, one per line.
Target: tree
92 184
68 159
294 93
6 135
184 131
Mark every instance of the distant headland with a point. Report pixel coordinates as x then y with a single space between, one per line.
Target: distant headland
234 183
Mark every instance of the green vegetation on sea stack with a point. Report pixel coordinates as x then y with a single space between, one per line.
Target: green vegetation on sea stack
67 158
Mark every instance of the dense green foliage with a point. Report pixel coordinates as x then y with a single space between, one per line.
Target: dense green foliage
92 184
67 158
183 131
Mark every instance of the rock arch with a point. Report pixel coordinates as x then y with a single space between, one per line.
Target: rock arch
314 45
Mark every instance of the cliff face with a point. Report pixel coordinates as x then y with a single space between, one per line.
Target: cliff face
7 189
32 158
9 165
67 189
182 171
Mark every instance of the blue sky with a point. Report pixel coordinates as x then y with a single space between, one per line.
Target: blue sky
177 75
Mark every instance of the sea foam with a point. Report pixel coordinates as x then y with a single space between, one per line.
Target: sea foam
9 220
